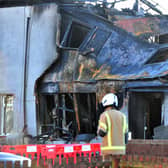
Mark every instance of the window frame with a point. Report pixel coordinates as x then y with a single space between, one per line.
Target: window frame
3 112
68 31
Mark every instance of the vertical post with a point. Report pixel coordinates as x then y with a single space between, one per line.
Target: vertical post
125 106
63 112
55 115
76 111
89 111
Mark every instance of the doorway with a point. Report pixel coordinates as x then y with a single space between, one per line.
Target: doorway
144 114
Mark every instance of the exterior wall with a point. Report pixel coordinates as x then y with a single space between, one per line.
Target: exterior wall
124 108
42 52
12 41
37 46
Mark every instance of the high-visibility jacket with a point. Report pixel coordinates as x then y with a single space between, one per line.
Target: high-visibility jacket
113 122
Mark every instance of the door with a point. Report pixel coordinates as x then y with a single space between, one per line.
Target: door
138 115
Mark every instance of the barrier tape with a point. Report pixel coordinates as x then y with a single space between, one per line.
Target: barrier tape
52 151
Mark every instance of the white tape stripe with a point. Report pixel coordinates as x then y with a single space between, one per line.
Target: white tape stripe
31 149
86 148
68 149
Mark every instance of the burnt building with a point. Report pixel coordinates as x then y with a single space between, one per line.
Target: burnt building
59 60
103 58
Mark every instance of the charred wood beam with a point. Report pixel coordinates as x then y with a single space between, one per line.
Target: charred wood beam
66 109
56 113
63 112
76 111
89 110
153 7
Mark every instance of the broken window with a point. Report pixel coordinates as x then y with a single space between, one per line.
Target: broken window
6 113
68 114
160 56
163 38
74 35
95 40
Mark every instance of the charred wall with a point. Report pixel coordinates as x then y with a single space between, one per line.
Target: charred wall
41 53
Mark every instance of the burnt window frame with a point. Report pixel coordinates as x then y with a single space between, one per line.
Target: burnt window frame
69 31
89 38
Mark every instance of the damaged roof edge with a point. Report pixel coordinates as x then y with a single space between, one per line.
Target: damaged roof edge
75 87
67 87
100 21
153 83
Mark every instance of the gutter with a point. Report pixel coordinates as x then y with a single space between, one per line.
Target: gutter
26 59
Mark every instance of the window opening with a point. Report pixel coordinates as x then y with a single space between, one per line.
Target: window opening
74 35
160 56
6 113
163 38
68 114
96 38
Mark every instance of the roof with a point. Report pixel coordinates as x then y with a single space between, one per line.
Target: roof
122 56
142 25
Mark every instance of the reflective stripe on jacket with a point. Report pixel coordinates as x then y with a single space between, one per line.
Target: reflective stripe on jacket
114 123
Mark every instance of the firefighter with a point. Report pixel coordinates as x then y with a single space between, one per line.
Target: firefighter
112 128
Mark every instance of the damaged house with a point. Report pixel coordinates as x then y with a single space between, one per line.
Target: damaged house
68 58
96 58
